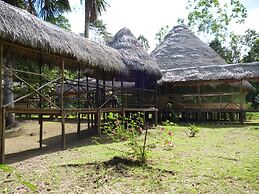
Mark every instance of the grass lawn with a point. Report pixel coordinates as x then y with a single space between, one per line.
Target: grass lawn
219 159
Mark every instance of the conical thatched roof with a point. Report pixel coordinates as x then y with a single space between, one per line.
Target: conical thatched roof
182 49
18 27
228 72
133 54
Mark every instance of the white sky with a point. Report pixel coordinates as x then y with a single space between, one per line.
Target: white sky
146 17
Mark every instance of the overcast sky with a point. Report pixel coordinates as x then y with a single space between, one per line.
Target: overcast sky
146 17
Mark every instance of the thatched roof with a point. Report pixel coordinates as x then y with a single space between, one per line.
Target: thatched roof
240 71
133 54
181 48
18 27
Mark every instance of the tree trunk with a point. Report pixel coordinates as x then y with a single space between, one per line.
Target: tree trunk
87 19
8 93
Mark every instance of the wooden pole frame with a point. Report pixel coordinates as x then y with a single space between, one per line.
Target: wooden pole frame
41 106
78 101
62 106
2 112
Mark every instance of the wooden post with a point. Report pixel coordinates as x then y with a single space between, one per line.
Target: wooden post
97 92
122 94
40 115
62 106
104 89
113 97
156 118
87 100
78 102
199 101
99 120
241 114
2 115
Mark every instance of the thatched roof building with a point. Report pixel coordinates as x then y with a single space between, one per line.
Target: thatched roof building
240 71
19 29
182 49
134 55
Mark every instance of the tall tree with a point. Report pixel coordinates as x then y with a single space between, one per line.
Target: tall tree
222 51
144 42
93 8
214 16
161 34
101 32
48 10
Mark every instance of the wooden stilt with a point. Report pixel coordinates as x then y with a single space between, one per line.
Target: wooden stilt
78 102
241 114
41 106
104 89
2 114
97 92
113 105
62 106
156 118
99 120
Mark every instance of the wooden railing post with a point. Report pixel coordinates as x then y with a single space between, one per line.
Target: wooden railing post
40 115
62 106
78 101
2 114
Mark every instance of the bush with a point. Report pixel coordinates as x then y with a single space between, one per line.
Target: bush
130 130
193 130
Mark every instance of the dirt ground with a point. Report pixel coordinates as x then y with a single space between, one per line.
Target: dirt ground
22 142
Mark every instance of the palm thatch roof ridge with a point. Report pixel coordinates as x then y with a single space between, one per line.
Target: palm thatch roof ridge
133 54
181 49
239 71
21 28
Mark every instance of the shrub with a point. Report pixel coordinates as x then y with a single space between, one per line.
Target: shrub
130 130
193 130
166 133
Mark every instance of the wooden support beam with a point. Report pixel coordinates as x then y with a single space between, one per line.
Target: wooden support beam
113 97
41 106
62 106
241 114
99 121
97 92
78 101
2 112
199 101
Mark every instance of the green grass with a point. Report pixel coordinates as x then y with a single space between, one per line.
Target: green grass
217 160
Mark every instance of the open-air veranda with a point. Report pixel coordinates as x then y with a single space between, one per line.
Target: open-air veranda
57 48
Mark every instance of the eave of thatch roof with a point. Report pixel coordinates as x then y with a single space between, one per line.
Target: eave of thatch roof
228 72
18 27
133 54
181 49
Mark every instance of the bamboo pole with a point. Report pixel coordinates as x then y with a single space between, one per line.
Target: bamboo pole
199 101
87 100
62 106
113 97
2 115
40 115
241 114
78 102
99 120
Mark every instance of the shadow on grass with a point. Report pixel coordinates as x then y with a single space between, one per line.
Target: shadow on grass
120 165
54 144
